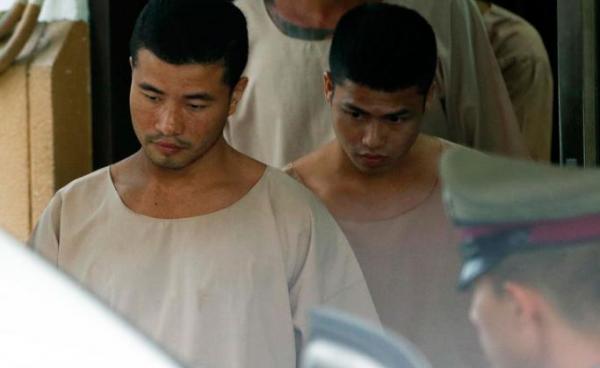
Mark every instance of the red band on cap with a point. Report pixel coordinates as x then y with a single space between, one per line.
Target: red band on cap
554 231
575 229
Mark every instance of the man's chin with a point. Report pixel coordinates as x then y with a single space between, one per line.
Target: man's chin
167 163
371 170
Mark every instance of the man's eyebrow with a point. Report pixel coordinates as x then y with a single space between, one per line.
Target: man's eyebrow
350 106
402 112
200 96
192 96
148 87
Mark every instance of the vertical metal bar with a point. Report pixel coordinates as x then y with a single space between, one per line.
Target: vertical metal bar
590 83
570 81
577 80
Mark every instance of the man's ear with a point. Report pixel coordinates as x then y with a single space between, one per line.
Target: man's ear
528 304
328 87
131 63
432 94
236 94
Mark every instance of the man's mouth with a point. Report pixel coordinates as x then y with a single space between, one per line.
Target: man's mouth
372 160
168 148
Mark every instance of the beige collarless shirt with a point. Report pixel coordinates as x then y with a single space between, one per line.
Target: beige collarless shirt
411 264
228 289
526 69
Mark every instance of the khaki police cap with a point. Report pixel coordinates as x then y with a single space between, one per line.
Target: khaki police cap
503 205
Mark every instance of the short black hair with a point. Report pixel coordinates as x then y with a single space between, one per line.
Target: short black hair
567 276
384 47
193 32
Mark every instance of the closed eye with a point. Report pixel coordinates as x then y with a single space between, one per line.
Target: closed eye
399 118
354 113
197 106
151 97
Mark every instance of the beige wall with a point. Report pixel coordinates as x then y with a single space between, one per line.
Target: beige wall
45 129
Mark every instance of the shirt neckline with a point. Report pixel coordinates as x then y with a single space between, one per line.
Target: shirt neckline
293 31
253 191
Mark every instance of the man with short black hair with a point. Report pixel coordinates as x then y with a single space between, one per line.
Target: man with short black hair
379 178
213 254
531 253
283 117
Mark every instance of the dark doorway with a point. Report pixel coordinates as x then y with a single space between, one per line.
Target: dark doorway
111 23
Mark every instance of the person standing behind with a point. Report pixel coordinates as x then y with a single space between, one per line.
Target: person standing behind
531 256
379 178
211 253
283 117
526 69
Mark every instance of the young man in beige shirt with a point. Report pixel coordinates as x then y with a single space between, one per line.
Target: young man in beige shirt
379 178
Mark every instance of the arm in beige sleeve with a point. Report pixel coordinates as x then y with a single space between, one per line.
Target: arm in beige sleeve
46 235
328 275
476 96
531 88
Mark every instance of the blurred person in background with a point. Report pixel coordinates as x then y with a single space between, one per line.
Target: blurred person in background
531 254
526 69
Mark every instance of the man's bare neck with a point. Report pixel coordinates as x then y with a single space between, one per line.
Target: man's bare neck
352 195
213 182
308 19
565 345
200 172
424 150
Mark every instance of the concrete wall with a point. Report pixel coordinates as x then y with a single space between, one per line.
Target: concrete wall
45 128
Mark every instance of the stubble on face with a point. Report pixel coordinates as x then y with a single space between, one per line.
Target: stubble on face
178 111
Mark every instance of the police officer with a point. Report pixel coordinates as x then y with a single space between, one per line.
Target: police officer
531 254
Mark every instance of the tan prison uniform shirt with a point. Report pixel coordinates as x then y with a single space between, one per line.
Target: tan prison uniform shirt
527 72
228 289
283 114
411 263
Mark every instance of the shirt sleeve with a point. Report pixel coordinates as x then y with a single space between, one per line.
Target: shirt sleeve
46 234
530 85
477 100
328 275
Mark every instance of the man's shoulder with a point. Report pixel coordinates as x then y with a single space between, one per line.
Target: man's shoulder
88 184
282 185
285 191
514 35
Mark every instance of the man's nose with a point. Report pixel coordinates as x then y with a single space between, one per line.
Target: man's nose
373 136
170 122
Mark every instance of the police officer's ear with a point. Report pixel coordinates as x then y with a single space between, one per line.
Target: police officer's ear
328 87
237 93
528 306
